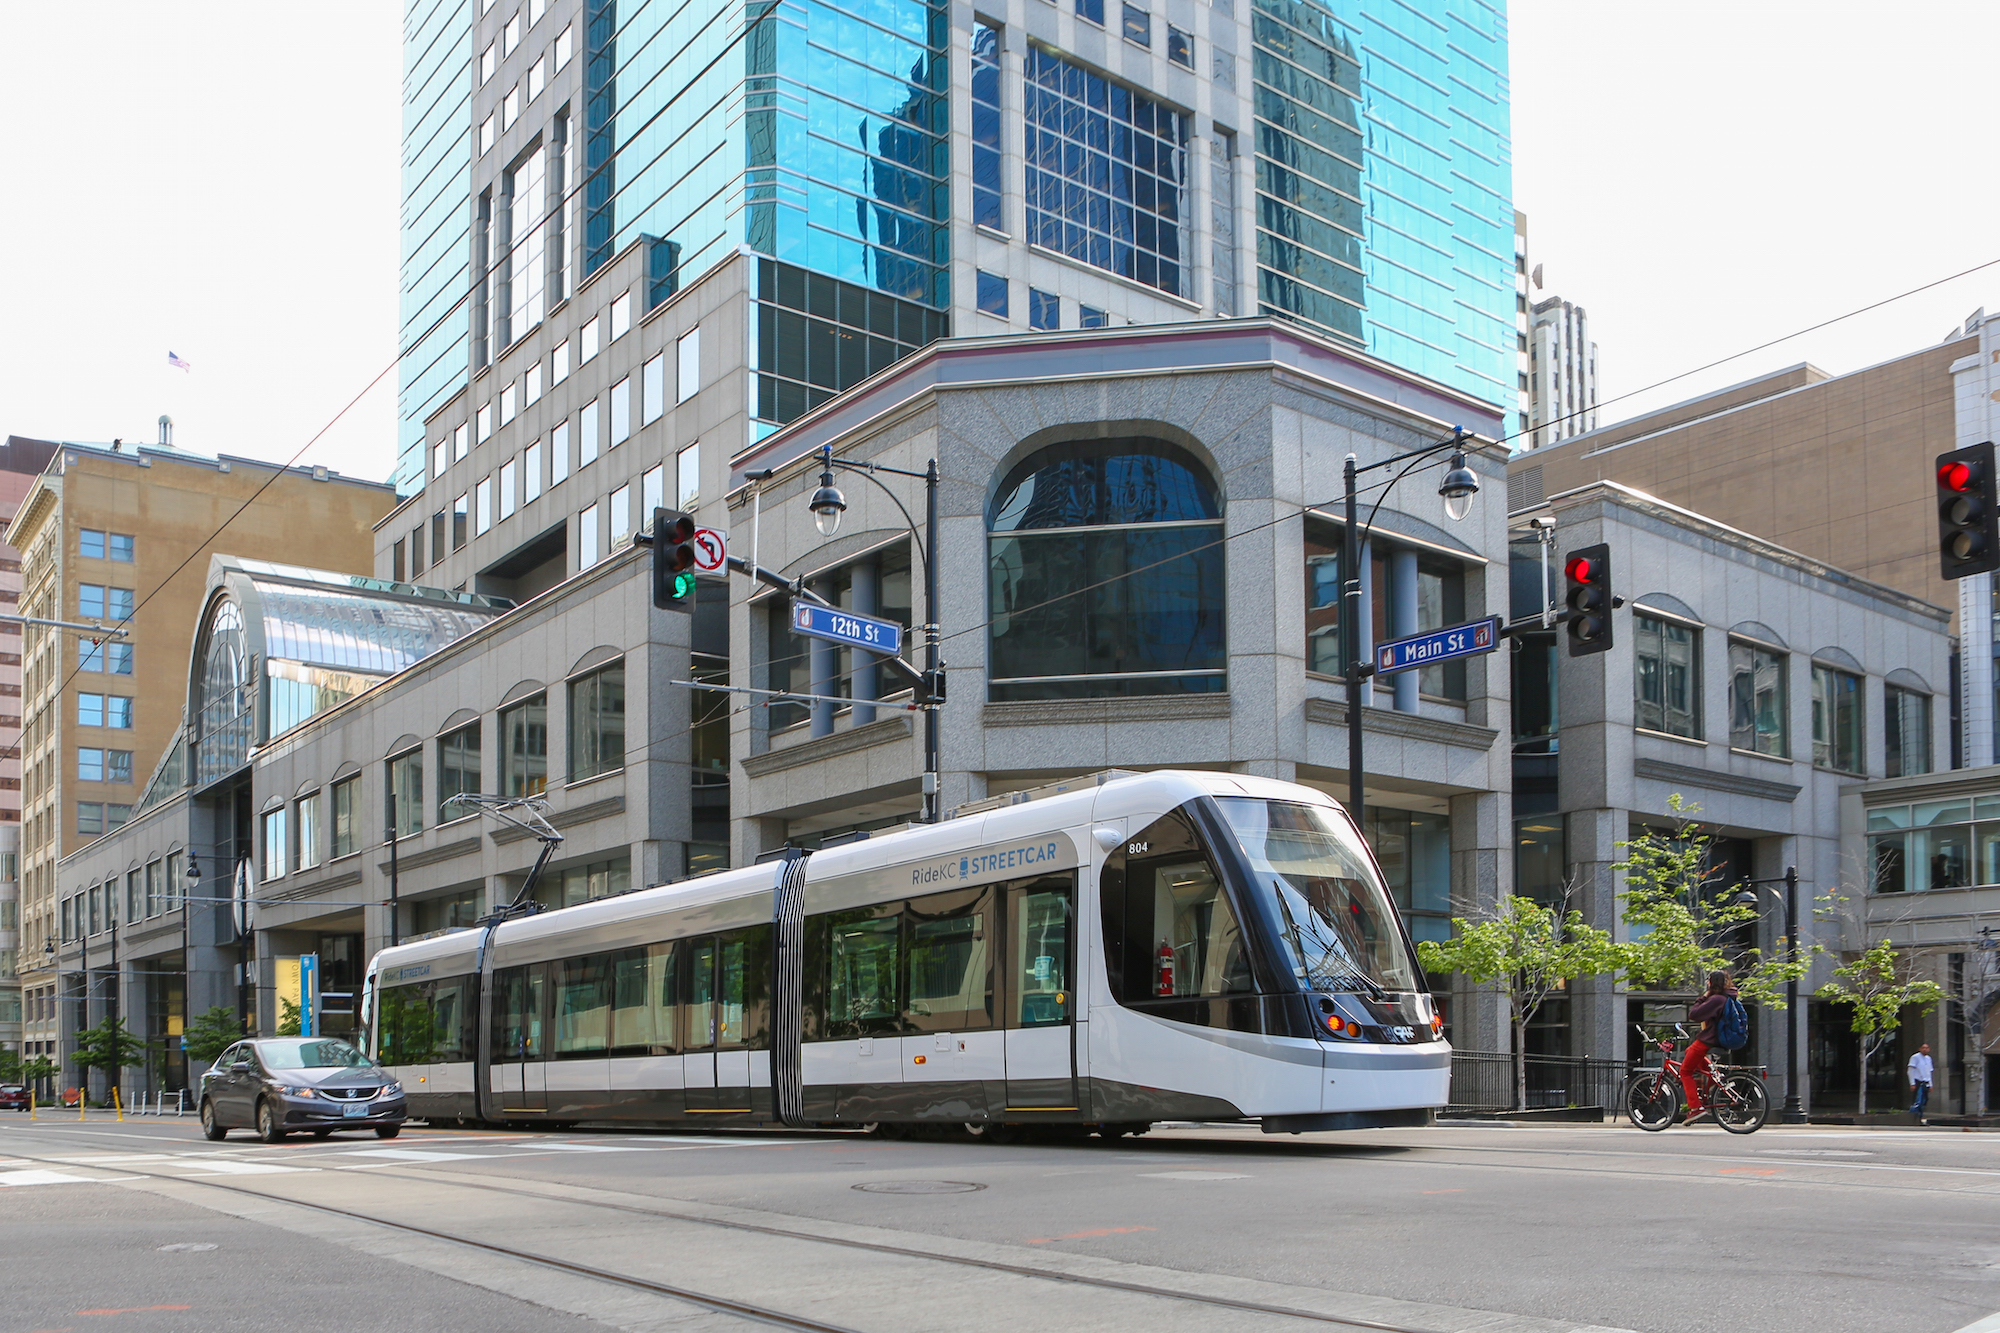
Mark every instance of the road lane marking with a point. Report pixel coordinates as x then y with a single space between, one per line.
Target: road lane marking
1990 1324
422 1154
223 1166
43 1178
583 1147
138 1309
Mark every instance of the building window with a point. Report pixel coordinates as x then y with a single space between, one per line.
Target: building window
406 792
652 494
399 564
588 437
986 187
1092 10
565 45
653 389
90 710
587 339
509 487
1948 844
531 473
90 817
276 845
1138 26
90 601
559 363
90 543
306 854
458 770
1667 680
487 61
524 748
621 412
992 293
816 335
89 765
1106 173
531 385
510 398
135 896
1067 522
156 902
687 366
482 507
1907 718
687 477
597 722
458 514
1836 719
1758 700
1044 310
1440 598
346 793
621 514
559 453
585 883
461 441
589 548
1090 317
1180 47
621 315
484 418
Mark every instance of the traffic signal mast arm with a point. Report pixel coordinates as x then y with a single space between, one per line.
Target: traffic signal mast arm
897 667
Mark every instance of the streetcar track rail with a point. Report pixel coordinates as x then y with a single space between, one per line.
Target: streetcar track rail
778 1318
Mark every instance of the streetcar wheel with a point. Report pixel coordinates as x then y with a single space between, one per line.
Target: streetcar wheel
1652 1102
1743 1104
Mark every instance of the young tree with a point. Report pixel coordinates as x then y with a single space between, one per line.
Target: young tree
37 1069
289 1018
1686 915
209 1035
1524 950
1876 989
109 1047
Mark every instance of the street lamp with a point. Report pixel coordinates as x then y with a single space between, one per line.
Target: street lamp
827 505
1793 1112
1457 489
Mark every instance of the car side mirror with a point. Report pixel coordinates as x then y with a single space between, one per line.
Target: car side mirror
240 1067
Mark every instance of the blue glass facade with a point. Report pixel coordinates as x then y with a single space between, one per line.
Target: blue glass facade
437 130
1384 181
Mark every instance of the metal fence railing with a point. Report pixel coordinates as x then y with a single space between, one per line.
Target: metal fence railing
1484 1081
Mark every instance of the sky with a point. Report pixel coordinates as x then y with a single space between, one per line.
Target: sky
219 180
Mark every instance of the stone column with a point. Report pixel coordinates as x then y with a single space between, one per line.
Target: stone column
1482 872
1597 1004
824 659
864 596
1403 620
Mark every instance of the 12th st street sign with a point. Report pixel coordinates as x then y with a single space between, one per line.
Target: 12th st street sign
1440 645
847 627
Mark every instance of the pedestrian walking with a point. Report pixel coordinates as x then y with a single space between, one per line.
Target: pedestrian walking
1920 1080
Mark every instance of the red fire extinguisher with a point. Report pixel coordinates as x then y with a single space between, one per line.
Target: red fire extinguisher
1166 968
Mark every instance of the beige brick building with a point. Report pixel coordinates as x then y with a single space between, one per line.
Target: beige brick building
1837 467
122 533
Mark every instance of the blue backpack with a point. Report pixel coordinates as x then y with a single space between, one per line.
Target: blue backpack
1732 1030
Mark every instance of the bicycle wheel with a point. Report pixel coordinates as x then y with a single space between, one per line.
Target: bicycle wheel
1652 1101
1741 1104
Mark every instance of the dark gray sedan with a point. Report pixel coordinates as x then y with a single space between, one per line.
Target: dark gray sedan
286 1085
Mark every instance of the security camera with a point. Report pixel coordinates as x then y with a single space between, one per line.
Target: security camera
1543 524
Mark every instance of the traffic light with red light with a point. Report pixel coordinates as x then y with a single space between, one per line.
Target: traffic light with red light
1968 525
1589 600
673 560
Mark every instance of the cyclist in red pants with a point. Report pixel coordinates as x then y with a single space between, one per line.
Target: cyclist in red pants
1707 1011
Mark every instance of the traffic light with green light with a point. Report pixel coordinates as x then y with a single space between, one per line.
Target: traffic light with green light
673 560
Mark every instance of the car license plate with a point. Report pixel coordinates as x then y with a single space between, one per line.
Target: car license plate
354 1110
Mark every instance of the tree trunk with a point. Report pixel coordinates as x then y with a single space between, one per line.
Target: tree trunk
1520 1062
1861 1106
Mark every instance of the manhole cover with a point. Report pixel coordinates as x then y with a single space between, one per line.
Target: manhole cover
919 1187
186 1247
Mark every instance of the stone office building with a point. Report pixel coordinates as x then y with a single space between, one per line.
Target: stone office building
1762 686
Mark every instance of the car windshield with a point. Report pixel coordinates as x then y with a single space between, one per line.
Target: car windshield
1338 923
315 1053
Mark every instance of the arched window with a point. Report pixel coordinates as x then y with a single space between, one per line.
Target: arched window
223 720
1105 574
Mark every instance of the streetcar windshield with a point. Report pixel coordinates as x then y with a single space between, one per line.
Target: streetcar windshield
1338 924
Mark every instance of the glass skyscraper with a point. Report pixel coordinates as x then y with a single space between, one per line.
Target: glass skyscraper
1344 165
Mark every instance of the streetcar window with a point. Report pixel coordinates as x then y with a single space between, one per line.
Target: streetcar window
642 1012
863 971
1338 926
701 994
951 972
1039 947
583 1008
517 1015
1170 931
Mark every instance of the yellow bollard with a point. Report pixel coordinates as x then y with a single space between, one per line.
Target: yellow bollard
116 1104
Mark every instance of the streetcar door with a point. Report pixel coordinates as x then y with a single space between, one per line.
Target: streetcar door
1040 1002
698 1058
519 1039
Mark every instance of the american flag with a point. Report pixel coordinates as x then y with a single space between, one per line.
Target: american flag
177 363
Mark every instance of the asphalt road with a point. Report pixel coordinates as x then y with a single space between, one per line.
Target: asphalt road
1522 1230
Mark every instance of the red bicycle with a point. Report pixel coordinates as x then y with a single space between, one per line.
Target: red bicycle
1734 1095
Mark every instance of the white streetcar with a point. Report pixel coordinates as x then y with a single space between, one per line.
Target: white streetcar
1125 949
